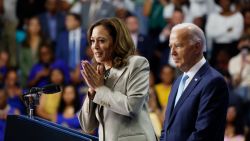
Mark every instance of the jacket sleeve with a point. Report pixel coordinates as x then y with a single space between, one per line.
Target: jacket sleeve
87 116
137 88
212 110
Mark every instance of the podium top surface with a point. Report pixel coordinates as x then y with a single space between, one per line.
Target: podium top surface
24 128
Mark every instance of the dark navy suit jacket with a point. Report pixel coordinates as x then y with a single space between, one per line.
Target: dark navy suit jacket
144 46
63 49
200 113
60 20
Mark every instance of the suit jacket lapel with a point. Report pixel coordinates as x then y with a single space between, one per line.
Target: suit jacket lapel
172 99
196 79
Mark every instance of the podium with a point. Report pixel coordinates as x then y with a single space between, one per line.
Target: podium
23 128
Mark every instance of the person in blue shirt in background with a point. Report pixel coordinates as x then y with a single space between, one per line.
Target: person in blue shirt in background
68 108
5 110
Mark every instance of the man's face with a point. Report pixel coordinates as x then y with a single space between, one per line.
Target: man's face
71 23
183 51
132 24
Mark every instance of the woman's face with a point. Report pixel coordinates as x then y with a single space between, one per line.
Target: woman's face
167 75
69 94
101 44
57 76
45 55
34 26
225 4
11 78
231 114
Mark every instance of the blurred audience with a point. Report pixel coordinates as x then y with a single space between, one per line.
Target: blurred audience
239 67
9 27
68 107
141 42
4 59
25 9
246 15
48 104
191 10
14 90
234 126
153 9
40 72
223 30
52 20
163 88
5 110
156 113
28 52
72 44
93 10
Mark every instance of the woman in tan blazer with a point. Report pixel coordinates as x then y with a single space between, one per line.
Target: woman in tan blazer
118 84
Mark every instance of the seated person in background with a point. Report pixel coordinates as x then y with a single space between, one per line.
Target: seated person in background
239 66
246 15
4 58
163 88
49 104
234 126
68 107
5 110
14 91
156 112
40 72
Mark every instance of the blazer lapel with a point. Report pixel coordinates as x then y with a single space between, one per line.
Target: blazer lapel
115 75
196 79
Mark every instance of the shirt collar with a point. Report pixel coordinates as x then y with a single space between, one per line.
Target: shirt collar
77 30
195 68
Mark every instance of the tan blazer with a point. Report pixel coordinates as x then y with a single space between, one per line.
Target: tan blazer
123 99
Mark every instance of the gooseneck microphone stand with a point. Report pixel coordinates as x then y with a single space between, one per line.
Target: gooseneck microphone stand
31 100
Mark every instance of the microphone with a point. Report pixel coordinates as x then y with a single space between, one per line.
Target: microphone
48 89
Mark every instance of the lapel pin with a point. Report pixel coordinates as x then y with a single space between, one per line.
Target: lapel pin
195 79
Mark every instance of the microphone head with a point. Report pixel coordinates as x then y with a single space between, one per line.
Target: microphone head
50 89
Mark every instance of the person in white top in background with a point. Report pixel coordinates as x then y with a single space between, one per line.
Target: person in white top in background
239 67
223 30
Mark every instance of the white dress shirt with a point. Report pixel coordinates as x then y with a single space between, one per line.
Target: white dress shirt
135 38
191 73
75 35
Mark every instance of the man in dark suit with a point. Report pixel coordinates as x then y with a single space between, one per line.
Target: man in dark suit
52 20
142 43
93 10
198 100
72 44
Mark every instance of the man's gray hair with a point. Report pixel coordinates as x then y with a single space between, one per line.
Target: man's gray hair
197 35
